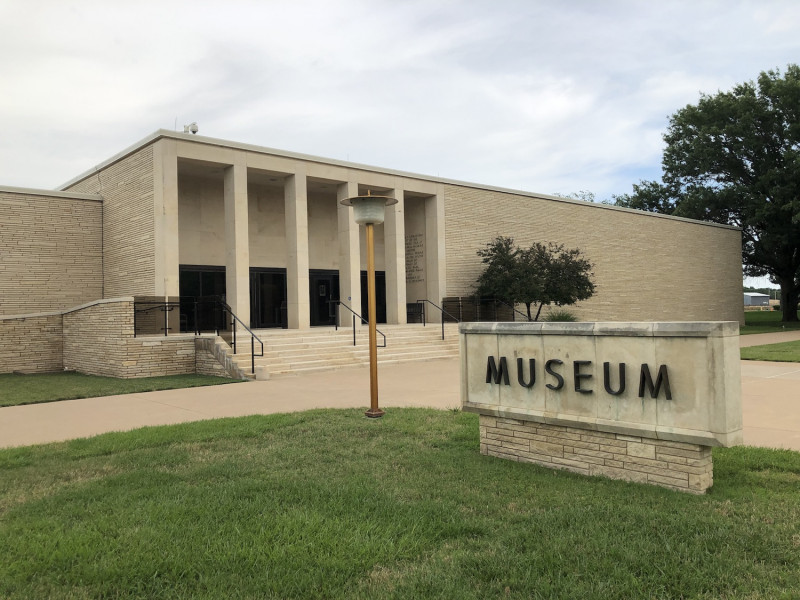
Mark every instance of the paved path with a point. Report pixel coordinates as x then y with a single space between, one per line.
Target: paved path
433 383
770 398
760 339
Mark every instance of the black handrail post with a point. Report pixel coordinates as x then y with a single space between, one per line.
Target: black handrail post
253 354
363 321
233 326
166 321
441 310
424 318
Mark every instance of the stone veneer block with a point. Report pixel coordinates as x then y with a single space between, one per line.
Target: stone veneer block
675 465
544 396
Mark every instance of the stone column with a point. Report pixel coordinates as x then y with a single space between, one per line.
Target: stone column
435 257
296 205
237 248
349 255
165 205
394 235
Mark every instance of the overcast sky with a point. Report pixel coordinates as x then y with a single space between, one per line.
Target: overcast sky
544 96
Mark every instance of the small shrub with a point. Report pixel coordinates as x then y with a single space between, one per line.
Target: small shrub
776 307
560 315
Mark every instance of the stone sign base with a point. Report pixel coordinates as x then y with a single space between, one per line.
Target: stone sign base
677 465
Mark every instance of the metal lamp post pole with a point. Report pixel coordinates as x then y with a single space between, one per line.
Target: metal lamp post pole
373 411
369 210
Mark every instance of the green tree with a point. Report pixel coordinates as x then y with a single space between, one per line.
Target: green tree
537 276
498 279
734 158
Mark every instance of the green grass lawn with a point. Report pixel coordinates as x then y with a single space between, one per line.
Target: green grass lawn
328 504
765 322
31 389
783 352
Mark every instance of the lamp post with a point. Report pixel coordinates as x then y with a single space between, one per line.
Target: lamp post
369 211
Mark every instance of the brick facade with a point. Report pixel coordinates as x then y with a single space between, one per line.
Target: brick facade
205 363
97 339
50 251
124 229
127 188
31 344
676 465
647 267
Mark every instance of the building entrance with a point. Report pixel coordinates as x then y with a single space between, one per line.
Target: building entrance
200 286
323 288
268 298
380 296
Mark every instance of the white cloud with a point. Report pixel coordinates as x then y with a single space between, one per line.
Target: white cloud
550 97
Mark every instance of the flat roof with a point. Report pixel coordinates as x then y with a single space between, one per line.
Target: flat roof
199 139
5 189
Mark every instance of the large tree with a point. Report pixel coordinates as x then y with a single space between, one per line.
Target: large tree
537 276
735 158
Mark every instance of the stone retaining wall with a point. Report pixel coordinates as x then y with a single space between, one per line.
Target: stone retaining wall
676 465
97 339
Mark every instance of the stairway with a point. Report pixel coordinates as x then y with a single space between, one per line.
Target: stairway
321 348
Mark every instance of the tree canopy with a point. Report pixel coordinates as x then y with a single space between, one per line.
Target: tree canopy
734 158
537 276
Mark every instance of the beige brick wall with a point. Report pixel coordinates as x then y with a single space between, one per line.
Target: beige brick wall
154 356
98 340
94 338
205 359
676 465
128 223
50 252
647 268
31 344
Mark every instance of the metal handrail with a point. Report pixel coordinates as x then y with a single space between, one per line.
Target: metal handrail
355 314
165 307
443 311
511 306
253 336
168 305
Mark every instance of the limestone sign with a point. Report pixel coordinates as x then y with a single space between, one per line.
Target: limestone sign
657 384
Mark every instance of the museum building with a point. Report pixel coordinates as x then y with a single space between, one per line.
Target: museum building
181 215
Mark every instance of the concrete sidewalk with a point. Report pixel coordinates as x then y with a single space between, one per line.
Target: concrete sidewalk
770 398
760 339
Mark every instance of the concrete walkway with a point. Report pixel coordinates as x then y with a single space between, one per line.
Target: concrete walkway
760 339
433 383
770 398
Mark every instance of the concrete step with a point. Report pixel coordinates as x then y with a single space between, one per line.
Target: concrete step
293 351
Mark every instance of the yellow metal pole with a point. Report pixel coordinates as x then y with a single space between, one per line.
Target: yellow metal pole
373 411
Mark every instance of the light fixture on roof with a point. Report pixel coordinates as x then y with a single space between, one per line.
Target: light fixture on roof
190 128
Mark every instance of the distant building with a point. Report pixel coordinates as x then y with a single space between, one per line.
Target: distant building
756 299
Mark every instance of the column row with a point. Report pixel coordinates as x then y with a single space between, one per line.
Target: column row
296 220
